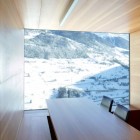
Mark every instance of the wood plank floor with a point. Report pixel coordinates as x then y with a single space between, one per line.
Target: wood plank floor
34 126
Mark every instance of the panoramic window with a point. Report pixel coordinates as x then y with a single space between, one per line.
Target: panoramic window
69 64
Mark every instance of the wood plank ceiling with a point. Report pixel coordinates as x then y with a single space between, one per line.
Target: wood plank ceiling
120 16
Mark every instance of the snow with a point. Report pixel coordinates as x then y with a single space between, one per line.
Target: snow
65 66
31 35
125 36
44 77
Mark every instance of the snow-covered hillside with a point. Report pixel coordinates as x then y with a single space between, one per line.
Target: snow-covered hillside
59 65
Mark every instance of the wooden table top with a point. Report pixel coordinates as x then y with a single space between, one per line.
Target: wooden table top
81 119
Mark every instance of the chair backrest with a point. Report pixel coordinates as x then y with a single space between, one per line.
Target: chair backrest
107 102
122 112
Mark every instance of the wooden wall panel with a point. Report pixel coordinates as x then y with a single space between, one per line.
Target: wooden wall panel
135 69
11 69
120 16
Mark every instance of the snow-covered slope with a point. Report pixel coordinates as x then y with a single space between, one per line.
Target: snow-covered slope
75 64
58 44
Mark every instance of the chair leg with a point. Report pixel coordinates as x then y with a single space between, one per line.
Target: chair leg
53 135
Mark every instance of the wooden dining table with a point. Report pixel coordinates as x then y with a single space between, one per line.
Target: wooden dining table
82 119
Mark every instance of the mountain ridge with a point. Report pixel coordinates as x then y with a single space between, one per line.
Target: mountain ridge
61 44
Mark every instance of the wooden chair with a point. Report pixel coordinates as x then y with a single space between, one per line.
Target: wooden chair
121 112
107 102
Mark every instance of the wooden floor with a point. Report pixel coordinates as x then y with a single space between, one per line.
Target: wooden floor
34 126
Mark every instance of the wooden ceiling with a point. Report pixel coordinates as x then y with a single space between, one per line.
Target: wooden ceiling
120 16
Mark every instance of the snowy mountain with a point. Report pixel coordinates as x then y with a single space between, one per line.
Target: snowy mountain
62 64
62 44
89 38
54 46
